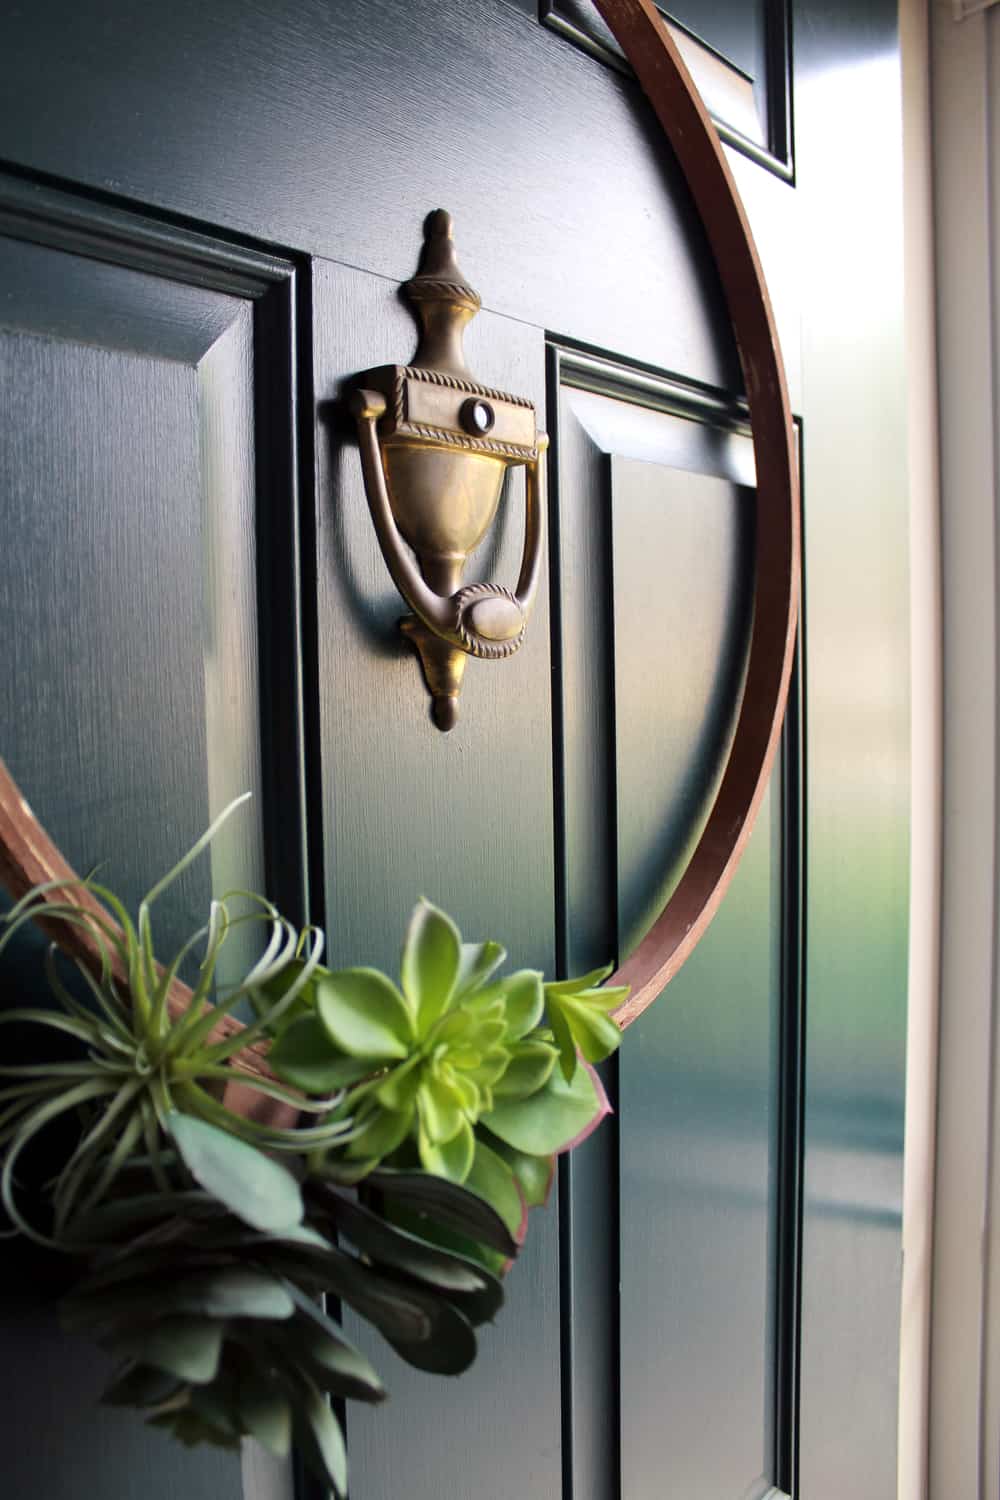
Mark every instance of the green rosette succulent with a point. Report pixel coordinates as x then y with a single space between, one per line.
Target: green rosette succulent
476 1078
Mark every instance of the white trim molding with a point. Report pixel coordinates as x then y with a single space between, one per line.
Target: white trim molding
964 1463
963 9
925 782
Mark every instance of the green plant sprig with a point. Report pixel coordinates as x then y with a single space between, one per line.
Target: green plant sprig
206 1293
140 1065
439 1106
473 1077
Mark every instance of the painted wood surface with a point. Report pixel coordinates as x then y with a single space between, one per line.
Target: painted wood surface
366 111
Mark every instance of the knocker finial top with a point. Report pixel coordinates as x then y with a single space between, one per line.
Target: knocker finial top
442 298
435 445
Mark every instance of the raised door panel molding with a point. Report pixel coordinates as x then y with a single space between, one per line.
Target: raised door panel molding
130 488
117 635
700 1170
739 57
78 273
146 476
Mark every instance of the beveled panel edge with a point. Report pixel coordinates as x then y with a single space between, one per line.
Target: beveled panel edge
602 373
83 225
777 156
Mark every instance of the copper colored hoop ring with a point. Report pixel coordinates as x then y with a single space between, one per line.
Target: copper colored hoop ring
648 46
29 857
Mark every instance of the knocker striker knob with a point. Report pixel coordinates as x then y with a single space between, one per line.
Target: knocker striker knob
435 447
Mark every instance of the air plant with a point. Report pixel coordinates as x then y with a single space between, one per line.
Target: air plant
140 1063
430 1116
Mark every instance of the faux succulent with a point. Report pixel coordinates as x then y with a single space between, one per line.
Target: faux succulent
431 1115
475 1078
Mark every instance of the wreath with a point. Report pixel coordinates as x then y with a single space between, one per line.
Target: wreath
431 1112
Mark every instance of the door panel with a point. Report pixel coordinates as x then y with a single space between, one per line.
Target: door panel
128 699
699 1085
128 477
682 549
655 499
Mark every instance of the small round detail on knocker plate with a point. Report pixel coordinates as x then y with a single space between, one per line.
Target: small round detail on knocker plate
478 416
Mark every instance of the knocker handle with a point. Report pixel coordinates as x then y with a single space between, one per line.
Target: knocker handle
484 620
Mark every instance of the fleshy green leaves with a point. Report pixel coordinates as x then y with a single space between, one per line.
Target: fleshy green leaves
319 1434
364 1014
494 1181
451 1158
265 1411
256 1189
187 1348
441 1105
380 1131
303 1056
433 1201
528 1070
222 1336
477 963
534 1174
559 1116
432 957
234 1292
578 1012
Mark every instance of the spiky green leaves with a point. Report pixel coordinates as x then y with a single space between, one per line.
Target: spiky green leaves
138 1063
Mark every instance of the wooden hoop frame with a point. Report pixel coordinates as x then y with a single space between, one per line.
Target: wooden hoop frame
28 857
646 42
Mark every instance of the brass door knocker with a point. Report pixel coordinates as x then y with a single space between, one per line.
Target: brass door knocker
435 446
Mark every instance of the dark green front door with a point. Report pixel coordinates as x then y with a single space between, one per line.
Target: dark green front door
204 218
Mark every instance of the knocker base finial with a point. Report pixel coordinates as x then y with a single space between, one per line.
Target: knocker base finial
443 668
